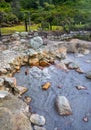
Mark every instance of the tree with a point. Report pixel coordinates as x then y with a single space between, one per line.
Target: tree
1 18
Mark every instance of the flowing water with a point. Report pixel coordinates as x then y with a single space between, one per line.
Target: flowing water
62 83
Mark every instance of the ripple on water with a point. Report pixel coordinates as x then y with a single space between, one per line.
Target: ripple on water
43 102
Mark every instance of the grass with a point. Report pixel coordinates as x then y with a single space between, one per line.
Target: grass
57 28
21 28
18 28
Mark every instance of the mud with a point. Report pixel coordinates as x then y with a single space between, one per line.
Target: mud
63 83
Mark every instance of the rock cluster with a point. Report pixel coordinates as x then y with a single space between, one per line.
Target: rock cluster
30 54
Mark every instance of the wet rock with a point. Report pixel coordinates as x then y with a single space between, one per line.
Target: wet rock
81 87
3 94
45 74
39 128
27 99
46 86
44 63
63 106
37 119
88 74
36 72
85 119
21 89
80 71
26 71
88 61
67 61
36 42
73 66
62 66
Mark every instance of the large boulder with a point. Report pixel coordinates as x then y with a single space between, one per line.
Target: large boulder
13 113
9 121
36 42
63 106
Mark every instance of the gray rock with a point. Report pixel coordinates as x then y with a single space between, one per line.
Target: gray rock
36 42
9 82
31 52
39 128
37 119
66 61
63 106
23 41
22 122
3 93
11 121
36 72
88 74
6 119
15 36
1 82
24 34
39 74
73 65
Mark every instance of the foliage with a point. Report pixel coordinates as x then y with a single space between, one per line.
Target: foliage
70 14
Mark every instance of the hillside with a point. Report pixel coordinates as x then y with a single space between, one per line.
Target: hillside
71 14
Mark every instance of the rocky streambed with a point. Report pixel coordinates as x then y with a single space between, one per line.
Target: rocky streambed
71 84
56 81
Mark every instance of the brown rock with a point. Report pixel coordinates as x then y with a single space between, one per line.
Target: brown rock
44 63
17 67
79 70
62 66
21 89
3 71
34 62
27 99
46 86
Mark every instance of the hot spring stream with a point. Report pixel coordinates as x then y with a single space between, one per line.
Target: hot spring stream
63 83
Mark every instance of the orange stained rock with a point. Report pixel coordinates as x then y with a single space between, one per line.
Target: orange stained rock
46 86
44 63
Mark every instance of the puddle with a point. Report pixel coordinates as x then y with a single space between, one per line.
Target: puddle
43 102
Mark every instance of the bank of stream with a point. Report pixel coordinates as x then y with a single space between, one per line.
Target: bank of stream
62 83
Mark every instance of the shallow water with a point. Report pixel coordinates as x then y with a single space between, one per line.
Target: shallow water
43 102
